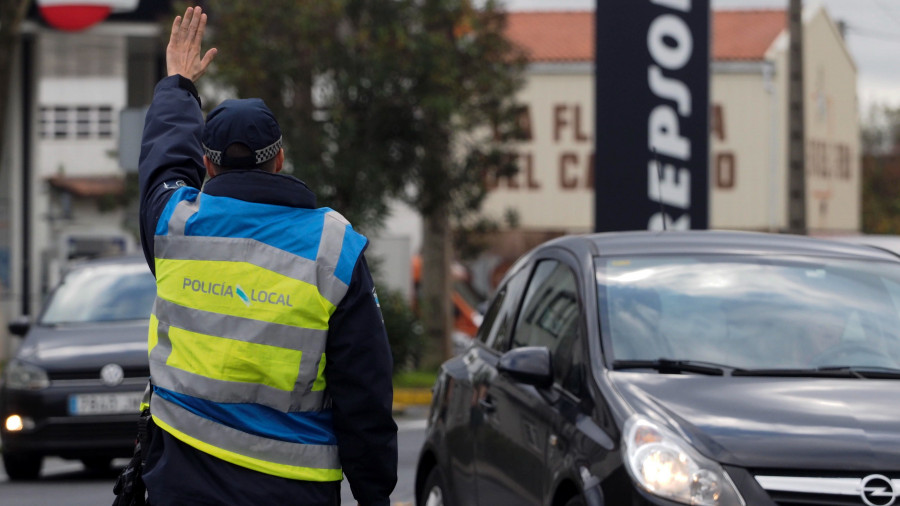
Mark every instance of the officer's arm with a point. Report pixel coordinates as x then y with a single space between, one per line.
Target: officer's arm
171 153
358 374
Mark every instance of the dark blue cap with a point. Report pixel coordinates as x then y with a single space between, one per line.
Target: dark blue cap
241 121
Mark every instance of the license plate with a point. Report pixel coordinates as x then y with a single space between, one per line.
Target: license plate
105 404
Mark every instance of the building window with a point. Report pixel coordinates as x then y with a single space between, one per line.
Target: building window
77 122
82 122
68 55
46 119
104 122
60 122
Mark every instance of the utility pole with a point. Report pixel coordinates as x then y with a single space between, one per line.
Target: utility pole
796 135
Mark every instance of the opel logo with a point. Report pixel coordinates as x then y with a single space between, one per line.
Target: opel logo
878 490
112 375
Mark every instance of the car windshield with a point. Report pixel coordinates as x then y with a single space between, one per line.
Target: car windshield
102 293
750 312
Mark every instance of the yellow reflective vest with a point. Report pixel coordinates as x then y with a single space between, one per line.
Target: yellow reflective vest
237 336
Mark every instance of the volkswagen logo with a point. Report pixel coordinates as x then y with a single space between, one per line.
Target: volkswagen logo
878 490
112 375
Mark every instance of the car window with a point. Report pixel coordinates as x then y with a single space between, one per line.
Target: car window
772 312
551 317
102 293
491 315
498 331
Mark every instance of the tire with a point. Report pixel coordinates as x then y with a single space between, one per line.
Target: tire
434 493
96 464
575 501
22 466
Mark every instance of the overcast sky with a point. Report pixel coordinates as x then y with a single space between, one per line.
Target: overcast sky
873 36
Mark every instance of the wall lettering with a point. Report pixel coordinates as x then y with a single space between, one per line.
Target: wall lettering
568 117
725 171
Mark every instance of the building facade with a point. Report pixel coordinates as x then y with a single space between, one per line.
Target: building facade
554 189
66 193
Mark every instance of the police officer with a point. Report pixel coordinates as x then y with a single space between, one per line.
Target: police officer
270 367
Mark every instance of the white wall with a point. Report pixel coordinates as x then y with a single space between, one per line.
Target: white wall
554 188
741 145
833 172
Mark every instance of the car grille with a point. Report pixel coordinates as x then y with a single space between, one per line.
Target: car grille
94 374
831 489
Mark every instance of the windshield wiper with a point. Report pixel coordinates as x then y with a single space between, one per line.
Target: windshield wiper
859 372
668 366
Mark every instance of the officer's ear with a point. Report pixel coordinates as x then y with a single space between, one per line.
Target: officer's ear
279 161
210 168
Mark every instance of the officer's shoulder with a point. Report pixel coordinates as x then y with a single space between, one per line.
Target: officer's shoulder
331 214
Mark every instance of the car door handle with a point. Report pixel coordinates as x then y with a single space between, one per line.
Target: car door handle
487 405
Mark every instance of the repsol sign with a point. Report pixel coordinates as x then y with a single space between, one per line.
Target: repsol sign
652 121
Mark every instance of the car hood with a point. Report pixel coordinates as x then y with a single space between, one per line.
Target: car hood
86 345
800 423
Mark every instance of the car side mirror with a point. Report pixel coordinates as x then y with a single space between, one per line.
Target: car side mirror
19 326
529 365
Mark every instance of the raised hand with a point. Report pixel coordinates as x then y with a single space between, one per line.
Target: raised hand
183 51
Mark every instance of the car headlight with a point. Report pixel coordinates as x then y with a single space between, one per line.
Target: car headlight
667 466
22 376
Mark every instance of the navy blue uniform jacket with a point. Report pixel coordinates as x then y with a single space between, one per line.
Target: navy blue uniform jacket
358 364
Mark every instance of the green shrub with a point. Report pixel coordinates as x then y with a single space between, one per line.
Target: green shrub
415 379
403 329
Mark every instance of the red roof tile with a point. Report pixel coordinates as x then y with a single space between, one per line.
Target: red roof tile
553 36
745 35
560 36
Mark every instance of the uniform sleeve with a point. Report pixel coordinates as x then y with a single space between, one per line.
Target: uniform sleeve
358 373
171 152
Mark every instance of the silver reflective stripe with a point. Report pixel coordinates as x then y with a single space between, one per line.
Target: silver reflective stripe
812 485
183 210
330 247
233 440
160 353
216 390
231 249
242 329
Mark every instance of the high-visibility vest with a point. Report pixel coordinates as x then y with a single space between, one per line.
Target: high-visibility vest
237 335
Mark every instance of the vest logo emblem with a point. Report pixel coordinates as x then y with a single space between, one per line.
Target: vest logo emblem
226 290
242 295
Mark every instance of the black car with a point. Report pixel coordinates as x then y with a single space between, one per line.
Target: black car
74 387
701 367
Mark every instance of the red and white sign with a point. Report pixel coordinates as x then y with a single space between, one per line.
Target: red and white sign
74 15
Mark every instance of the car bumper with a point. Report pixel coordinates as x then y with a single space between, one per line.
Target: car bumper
51 430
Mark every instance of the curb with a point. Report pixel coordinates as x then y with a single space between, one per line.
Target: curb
412 396
405 398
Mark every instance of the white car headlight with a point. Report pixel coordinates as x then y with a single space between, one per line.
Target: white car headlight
667 466
22 376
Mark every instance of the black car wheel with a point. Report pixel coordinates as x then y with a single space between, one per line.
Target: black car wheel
575 501
433 492
96 464
22 466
